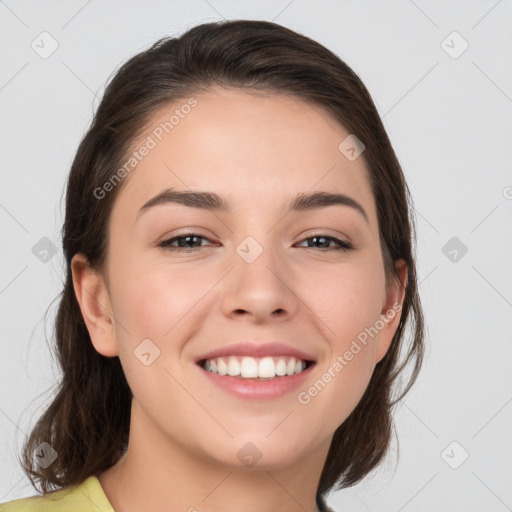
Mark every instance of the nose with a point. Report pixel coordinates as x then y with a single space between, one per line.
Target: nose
261 290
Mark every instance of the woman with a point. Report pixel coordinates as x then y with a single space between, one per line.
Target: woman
240 272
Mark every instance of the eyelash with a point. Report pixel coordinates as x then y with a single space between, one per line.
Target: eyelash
342 245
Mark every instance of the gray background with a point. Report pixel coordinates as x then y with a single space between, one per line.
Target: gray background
449 121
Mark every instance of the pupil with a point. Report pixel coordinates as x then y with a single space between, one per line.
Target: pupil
315 238
185 239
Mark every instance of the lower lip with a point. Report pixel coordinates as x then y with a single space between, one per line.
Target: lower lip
258 389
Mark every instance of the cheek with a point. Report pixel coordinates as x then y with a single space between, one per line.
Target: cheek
347 305
338 388
151 299
155 302
347 299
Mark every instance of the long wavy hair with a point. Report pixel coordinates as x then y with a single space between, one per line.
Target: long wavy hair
88 419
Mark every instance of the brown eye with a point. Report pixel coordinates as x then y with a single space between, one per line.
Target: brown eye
191 238
323 239
188 238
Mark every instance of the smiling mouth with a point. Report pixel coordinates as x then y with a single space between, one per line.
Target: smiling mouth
256 369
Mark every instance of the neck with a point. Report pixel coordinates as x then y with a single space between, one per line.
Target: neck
157 473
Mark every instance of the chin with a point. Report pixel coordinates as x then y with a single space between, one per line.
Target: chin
258 454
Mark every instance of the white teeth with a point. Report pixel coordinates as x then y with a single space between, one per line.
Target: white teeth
266 368
233 367
281 367
222 367
251 368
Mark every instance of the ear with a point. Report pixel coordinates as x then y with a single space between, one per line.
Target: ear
94 301
391 310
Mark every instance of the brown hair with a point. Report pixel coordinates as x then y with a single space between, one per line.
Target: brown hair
88 421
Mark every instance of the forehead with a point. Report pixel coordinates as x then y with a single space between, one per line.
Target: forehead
246 146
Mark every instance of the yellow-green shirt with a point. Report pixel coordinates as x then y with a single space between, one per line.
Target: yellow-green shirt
86 497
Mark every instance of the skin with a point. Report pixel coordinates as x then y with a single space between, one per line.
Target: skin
258 151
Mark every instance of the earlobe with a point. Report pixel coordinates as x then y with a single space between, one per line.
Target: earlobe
392 310
93 299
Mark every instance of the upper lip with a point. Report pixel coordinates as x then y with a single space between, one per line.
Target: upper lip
256 350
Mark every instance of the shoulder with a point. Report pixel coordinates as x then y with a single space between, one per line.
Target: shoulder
85 497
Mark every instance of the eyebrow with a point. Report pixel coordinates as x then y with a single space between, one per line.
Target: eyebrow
211 201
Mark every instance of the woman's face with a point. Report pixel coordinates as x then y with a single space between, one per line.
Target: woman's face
254 273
